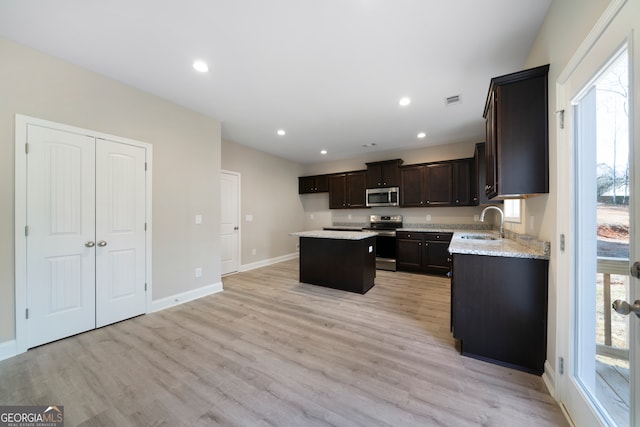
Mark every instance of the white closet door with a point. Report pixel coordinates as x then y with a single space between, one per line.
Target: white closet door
61 224
120 232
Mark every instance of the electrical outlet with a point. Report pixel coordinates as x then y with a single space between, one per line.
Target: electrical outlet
311 216
248 217
349 216
253 251
198 219
428 217
198 272
476 217
531 223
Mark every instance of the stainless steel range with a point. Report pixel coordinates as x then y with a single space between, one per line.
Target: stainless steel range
385 227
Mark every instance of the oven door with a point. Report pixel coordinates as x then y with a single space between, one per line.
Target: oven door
386 251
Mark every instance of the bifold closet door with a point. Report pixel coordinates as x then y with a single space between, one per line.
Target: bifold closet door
120 231
60 235
86 243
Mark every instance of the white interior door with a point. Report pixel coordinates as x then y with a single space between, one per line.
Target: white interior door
600 385
61 234
229 227
120 232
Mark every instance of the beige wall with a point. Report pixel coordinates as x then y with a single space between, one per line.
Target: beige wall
269 193
186 163
316 206
567 24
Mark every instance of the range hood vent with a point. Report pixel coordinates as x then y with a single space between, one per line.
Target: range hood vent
455 99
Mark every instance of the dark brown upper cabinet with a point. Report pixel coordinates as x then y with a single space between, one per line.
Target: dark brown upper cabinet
439 184
313 184
464 182
517 131
426 185
383 174
479 189
347 190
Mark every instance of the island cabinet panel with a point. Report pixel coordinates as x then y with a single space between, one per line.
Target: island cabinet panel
423 252
348 265
347 190
517 132
313 184
499 309
383 174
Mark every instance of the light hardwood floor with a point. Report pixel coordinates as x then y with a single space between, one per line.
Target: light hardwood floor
270 351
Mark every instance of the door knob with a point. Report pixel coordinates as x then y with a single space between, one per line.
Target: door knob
625 308
236 227
89 244
102 243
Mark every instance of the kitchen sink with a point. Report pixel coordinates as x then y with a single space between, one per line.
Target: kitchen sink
478 237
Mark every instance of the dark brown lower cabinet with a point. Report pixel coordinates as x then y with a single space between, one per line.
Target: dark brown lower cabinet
423 252
499 309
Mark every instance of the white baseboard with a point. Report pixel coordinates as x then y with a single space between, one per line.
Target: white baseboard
270 261
8 349
549 378
164 303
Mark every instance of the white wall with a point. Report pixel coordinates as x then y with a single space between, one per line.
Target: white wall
269 193
186 163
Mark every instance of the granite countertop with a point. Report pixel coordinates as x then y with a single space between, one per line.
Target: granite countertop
521 246
337 235
342 228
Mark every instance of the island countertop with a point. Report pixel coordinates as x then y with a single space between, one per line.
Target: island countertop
336 235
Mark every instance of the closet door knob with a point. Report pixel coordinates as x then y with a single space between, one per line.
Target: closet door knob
102 243
89 244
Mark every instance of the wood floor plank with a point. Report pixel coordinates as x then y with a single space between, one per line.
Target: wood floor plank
270 351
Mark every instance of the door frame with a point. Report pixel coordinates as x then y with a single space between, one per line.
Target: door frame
20 177
239 218
586 414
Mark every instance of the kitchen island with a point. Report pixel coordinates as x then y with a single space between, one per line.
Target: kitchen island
344 260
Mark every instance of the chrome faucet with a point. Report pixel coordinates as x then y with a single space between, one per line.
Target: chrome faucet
501 217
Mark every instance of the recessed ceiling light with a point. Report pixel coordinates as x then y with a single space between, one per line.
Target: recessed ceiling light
201 66
422 135
281 132
404 101
323 152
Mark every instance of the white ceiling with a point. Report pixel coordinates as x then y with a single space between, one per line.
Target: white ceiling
329 72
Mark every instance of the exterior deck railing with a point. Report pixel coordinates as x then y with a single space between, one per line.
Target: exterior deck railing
607 267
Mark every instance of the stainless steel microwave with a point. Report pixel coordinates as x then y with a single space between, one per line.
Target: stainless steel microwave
383 196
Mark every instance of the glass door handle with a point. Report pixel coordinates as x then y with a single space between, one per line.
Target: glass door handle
635 270
625 308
